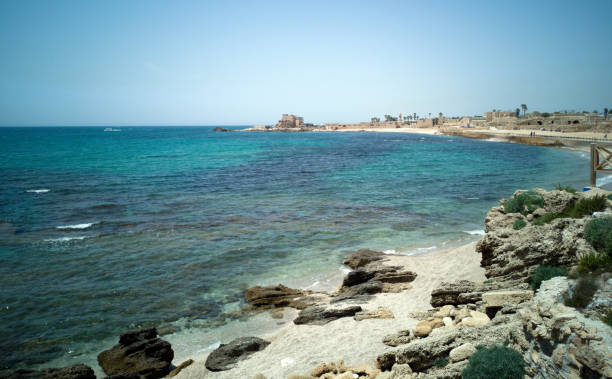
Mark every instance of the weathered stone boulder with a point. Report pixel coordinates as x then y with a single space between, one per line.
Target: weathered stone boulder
462 352
78 371
278 296
380 312
400 338
363 257
226 356
360 292
422 329
318 315
139 352
357 277
475 319
460 292
496 300
508 254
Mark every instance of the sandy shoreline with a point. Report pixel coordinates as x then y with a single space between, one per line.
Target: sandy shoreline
299 348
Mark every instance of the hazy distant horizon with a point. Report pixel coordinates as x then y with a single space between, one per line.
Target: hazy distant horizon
190 63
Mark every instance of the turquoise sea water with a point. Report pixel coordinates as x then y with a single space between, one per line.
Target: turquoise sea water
105 231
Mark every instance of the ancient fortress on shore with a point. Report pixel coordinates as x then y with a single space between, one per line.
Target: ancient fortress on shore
508 120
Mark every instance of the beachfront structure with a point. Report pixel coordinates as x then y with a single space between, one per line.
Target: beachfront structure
290 121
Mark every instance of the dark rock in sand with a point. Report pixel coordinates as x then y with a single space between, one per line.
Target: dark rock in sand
277 296
357 277
321 315
396 275
138 352
226 356
78 371
363 257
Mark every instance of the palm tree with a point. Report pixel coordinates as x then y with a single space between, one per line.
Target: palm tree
524 108
605 113
518 112
415 116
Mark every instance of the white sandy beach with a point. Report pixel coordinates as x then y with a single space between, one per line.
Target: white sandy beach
299 348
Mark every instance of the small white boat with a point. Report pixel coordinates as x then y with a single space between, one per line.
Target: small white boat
112 130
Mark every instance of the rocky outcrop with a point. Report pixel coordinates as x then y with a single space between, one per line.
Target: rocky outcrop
555 340
509 254
78 371
226 356
138 352
362 258
278 296
370 276
319 315
465 291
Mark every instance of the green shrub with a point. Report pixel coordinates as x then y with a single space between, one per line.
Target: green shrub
524 203
441 362
583 293
608 318
547 218
583 207
519 224
587 206
497 362
543 273
599 234
610 196
593 262
565 188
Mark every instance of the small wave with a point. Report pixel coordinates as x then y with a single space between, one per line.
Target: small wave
42 190
210 347
316 283
604 180
345 270
65 239
390 251
76 226
475 232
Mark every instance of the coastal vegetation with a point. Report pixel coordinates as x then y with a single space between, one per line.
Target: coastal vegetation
584 207
496 362
544 272
599 234
582 292
519 224
524 203
565 188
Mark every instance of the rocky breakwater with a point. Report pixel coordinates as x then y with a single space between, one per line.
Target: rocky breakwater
554 339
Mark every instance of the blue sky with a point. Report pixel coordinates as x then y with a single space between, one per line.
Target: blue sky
246 62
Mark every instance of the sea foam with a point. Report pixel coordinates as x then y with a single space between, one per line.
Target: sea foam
65 239
604 180
76 226
475 232
42 190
